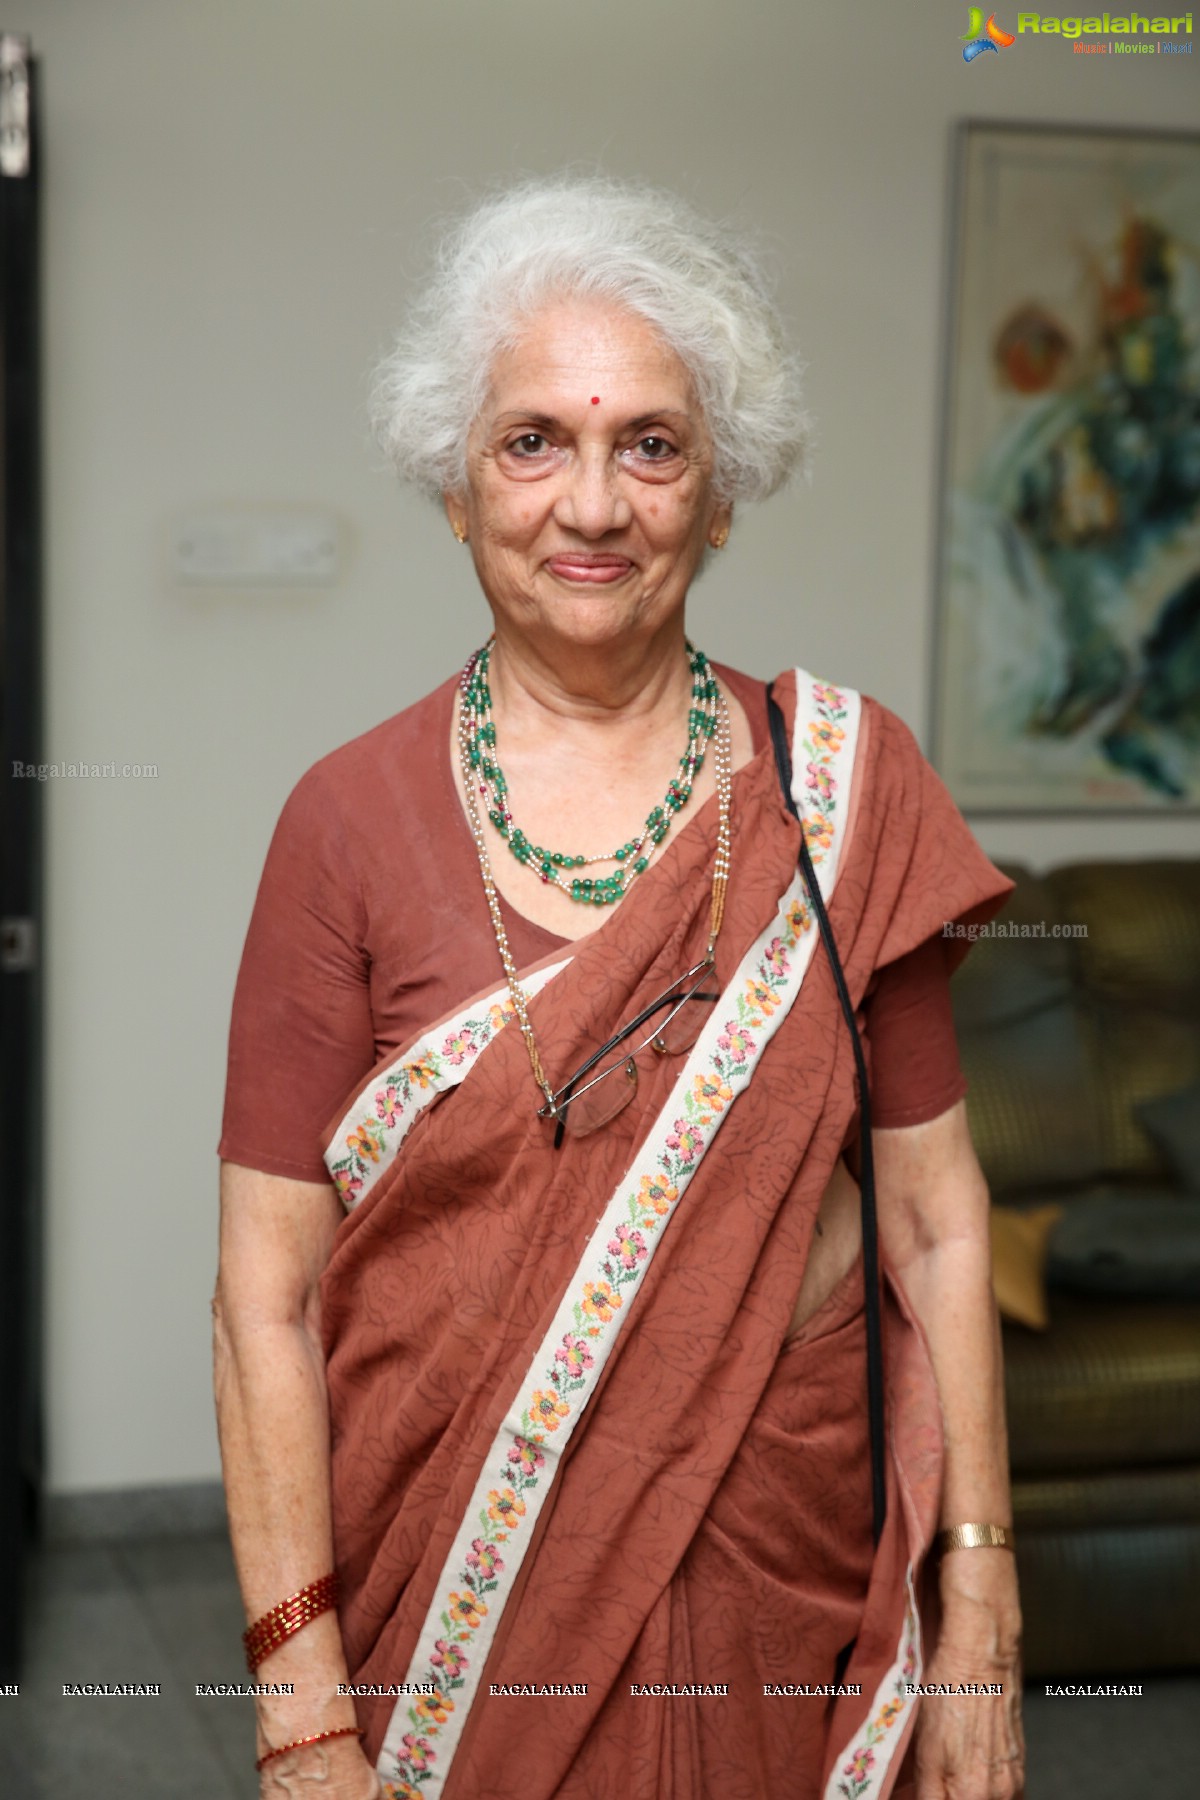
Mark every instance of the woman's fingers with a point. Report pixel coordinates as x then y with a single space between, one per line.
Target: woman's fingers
970 1746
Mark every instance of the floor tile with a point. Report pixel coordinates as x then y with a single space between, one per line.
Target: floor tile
88 1623
1112 1747
188 1592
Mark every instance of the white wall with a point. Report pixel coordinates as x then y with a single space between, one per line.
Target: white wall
232 194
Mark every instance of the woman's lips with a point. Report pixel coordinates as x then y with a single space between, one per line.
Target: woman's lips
589 568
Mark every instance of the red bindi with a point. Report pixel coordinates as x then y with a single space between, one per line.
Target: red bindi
595 399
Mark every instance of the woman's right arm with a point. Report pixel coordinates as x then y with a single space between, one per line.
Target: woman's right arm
273 1419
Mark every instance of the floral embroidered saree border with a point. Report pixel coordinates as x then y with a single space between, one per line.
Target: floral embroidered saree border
483 1562
382 1115
862 1767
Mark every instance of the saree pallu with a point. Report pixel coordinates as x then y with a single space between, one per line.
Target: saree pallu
574 1460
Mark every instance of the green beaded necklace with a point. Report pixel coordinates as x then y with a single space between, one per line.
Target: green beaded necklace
631 858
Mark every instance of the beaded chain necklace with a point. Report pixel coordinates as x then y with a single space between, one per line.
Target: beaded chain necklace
631 857
475 779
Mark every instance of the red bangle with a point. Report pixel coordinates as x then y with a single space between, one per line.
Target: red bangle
318 1737
291 1615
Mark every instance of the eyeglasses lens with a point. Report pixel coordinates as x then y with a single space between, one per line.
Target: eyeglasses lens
685 1017
601 1102
686 1020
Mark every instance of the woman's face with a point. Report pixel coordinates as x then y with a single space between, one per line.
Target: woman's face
589 479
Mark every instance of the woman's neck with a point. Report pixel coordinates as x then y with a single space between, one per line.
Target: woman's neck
579 689
588 742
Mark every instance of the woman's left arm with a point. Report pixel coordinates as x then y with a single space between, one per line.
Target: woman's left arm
934 1230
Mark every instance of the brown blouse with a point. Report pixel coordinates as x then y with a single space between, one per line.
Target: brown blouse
370 924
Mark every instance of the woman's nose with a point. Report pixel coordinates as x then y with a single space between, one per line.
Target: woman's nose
591 501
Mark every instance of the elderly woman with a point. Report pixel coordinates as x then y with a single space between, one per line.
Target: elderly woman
573 1445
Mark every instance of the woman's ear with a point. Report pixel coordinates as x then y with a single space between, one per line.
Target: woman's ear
719 526
456 512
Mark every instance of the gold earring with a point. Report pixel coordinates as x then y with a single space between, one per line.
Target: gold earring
721 539
460 531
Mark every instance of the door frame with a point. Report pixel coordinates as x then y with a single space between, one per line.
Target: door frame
21 838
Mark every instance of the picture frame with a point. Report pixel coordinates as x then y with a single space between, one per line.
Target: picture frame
1067 609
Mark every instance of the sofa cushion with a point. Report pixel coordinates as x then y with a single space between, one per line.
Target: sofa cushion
1173 1121
1096 1501
1104 1601
1139 1054
1032 1101
1125 1242
1143 930
1137 981
1019 1262
1032 1098
1112 1384
1061 1038
1011 977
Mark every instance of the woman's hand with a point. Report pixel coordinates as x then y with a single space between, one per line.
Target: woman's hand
332 1771
273 1414
970 1746
934 1224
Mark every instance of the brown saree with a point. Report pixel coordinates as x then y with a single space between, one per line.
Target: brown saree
600 1528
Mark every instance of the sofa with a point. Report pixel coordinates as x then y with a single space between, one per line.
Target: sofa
1070 1043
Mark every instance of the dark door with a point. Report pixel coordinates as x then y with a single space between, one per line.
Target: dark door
20 840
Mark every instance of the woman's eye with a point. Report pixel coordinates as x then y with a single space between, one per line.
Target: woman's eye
530 443
655 449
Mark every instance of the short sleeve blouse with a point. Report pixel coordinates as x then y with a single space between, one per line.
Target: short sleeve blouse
370 924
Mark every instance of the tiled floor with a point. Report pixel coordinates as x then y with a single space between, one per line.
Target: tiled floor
167 1610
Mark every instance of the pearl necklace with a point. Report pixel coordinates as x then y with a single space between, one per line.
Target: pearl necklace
723 770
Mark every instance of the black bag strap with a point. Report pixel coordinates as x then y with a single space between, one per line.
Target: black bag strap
870 1230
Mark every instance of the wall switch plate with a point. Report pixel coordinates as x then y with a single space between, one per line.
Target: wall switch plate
232 546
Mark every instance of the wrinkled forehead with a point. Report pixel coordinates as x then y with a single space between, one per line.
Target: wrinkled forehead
588 351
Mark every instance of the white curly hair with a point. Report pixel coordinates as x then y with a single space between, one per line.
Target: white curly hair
646 250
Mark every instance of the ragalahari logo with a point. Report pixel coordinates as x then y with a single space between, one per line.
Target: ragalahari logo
983 37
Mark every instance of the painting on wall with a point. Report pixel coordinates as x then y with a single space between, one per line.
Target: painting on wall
1068 607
